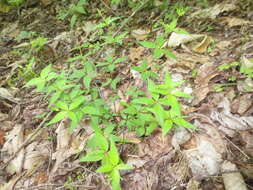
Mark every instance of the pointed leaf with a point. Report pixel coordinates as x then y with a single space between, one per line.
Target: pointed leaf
93 156
58 117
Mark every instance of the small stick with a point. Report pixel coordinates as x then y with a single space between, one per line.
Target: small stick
27 141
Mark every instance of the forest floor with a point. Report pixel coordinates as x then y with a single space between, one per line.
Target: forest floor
207 44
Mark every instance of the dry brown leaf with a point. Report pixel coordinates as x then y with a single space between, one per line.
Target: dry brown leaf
229 120
14 139
203 160
232 180
233 21
242 103
155 145
140 34
247 137
68 144
136 53
178 39
2 139
214 11
203 45
205 73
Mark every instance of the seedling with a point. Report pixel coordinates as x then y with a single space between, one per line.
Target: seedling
158 48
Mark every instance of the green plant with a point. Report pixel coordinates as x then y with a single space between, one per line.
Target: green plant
158 46
172 27
105 151
144 114
143 69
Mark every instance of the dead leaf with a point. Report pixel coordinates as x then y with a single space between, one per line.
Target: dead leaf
214 11
2 139
68 144
203 160
136 53
229 120
242 103
178 39
205 73
140 34
5 94
233 21
232 180
14 139
202 46
180 136
155 145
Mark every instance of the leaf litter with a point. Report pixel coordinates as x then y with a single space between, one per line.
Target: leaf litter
183 159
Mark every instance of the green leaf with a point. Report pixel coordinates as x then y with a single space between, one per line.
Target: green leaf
158 53
143 100
93 156
35 82
62 105
87 81
101 142
184 123
73 21
124 167
105 168
180 94
58 117
168 124
73 117
147 44
115 177
113 154
91 110
159 113
44 73
77 102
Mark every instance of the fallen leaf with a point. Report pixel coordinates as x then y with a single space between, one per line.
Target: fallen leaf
229 120
214 11
140 34
233 21
178 39
202 46
203 160
14 139
232 178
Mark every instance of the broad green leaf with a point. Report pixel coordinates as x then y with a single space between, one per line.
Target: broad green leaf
73 21
124 167
73 117
159 41
35 82
105 168
115 177
159 113
183 123
93 156
175 106
62 105
44 73
58 117
55 96
113 153
158 53
101 142
180 94
148 44
91 110
170 54
168 124
143 100
76 102
86 81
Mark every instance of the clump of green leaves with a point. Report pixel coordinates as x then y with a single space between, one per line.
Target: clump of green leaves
162 108
158 47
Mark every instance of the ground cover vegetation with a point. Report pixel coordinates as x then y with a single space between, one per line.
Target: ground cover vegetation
110 76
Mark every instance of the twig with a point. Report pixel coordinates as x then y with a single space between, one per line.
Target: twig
27 141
